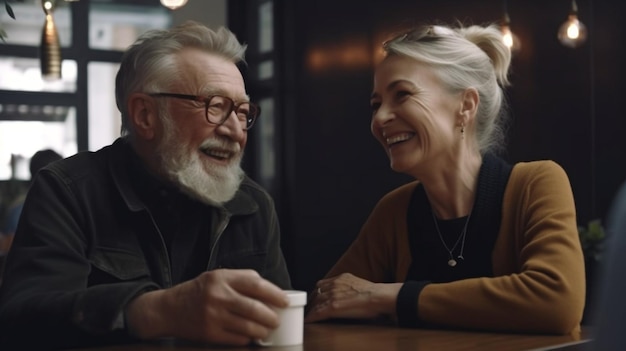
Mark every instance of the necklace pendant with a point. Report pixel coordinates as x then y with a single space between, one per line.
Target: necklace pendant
452 262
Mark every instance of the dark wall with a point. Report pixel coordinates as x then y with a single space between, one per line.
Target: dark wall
563 102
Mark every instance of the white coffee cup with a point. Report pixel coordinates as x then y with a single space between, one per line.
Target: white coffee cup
291 328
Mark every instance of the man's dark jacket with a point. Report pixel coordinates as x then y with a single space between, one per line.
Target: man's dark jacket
86 245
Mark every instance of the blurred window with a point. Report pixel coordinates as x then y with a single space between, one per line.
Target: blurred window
36 113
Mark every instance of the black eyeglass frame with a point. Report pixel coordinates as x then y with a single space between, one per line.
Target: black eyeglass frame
251 116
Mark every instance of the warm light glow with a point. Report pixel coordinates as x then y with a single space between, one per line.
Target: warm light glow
173 4
47 5
507 37
510 40
572 33
353 54
573 30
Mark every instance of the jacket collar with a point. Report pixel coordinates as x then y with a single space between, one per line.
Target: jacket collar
123 159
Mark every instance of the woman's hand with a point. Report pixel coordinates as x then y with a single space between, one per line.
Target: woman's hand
348 296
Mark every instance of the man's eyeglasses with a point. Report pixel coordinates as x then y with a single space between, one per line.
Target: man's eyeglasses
217 108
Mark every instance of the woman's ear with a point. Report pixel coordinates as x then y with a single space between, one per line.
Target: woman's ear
469 104
143 115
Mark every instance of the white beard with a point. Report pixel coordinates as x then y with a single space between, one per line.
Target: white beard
205 181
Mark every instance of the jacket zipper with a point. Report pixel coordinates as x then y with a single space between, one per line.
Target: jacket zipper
168 277
225 220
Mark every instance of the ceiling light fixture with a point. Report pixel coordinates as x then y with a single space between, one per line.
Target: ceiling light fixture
572 33
508 37
50 50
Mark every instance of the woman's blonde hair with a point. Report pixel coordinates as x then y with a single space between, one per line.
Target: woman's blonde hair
464 57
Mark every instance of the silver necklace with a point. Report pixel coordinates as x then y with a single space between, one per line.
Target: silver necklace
452 261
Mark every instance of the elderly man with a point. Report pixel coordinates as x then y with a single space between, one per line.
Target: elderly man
161 234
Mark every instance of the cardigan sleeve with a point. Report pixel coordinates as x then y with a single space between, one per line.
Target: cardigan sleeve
539 282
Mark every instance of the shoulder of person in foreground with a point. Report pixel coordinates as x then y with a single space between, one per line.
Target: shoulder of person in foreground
609 309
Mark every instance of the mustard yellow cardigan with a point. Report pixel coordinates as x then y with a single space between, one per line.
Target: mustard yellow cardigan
539 275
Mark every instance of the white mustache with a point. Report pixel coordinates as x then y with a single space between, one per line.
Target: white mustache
221 144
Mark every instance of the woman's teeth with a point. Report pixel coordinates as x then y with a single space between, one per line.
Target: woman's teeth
398 138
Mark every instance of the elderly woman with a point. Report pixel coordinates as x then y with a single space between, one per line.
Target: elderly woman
473 242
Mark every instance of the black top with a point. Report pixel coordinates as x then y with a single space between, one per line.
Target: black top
430 258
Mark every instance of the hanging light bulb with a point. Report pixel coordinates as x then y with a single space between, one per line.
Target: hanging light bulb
509 39
572 33
50 51
173 4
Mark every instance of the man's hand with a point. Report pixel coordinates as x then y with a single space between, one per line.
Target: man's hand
224 306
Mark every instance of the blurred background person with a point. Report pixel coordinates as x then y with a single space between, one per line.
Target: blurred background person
40 159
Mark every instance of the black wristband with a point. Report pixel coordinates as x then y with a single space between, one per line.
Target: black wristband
406 304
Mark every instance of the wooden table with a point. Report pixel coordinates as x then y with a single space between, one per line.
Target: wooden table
367 337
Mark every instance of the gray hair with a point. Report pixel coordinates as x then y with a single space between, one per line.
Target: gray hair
465 57
150 63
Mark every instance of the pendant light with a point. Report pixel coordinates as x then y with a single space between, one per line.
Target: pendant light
572 33
50 50
509 38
